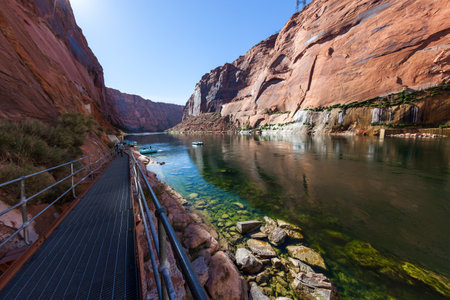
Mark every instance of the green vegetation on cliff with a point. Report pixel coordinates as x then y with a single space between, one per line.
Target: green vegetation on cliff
404 97
30 146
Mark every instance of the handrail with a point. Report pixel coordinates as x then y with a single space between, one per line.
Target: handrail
103 157
49 169
165 291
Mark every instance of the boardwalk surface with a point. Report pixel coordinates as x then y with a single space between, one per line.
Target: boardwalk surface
91 255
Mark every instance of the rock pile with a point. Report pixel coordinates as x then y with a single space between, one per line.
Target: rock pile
271 273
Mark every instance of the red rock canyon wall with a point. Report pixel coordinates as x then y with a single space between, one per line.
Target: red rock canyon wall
136 114
332 52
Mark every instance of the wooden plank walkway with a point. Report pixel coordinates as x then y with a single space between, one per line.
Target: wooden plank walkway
91 254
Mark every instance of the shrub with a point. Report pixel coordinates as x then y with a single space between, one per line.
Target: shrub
30 146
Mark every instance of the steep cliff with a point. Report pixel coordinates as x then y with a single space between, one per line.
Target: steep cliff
136 114
332 52
46 66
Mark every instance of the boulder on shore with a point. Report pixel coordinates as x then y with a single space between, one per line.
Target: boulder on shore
314 286
299 266
261 248
200 269
306 255
277 236
224 280
247 262
196 235
258 236
247 226
293 232
256 293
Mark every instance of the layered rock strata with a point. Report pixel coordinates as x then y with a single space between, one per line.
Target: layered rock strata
332 52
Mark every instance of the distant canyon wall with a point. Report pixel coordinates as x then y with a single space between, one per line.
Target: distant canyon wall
136 114
332 52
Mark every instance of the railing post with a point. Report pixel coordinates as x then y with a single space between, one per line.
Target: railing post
90 169
73 181
24 211
162 254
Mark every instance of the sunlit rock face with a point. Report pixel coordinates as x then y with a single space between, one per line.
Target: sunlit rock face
46 66
134 113
332 52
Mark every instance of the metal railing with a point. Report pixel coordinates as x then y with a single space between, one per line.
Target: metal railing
165 231
94 163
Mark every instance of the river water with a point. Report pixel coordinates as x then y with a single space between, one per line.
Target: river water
377 210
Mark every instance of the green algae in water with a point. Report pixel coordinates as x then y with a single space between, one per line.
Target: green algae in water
366 256
439 283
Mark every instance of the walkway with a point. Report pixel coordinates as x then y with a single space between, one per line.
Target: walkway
91 255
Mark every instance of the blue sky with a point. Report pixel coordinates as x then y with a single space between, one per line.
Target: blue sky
161 49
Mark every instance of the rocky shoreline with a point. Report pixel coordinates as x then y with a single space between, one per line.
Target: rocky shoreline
250 259
273 273
213 267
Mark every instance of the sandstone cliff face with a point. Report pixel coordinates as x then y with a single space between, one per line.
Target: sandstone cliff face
135 114
46 66
333 52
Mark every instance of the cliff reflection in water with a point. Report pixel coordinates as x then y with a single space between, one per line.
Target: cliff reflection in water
392 193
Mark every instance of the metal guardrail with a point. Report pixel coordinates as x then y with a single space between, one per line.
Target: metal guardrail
165 230
95 162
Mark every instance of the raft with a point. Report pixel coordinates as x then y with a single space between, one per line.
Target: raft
147 150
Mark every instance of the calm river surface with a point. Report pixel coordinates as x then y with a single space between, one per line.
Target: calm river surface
368 206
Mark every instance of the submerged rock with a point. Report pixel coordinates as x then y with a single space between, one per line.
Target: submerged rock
200 205
261 248
247 226
307 255
247 262
193 195
437 282
256 293
313 286
238 204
